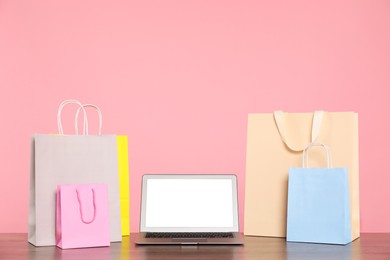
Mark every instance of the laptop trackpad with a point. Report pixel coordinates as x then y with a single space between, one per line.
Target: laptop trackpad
189 240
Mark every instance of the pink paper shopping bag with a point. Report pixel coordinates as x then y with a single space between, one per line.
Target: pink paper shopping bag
82 216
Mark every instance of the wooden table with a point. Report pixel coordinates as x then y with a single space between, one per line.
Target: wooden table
369 246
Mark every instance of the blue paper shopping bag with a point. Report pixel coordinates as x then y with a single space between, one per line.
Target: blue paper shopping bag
318 203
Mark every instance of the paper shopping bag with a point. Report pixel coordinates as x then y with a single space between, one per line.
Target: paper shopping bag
274 144
123 168
82 216
318 208
68 159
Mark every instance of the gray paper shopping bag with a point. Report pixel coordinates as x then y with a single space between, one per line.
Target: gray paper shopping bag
70 159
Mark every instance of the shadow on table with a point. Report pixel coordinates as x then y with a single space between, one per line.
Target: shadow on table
295 251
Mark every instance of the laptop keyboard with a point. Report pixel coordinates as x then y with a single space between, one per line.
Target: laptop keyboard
189 235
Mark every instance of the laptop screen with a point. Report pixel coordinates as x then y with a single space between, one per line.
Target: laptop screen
189 203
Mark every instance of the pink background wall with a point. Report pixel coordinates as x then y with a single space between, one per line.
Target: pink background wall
180 77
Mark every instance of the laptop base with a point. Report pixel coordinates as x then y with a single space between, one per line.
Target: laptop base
238 239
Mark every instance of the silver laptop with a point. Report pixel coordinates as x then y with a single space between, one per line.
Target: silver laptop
189 209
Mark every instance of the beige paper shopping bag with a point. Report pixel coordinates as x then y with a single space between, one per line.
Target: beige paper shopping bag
274 144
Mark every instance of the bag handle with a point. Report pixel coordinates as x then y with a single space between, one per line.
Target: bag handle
59 121
305 155
86 122
315 129
81 207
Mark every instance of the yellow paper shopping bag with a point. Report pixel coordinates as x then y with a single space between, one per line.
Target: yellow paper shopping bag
123 168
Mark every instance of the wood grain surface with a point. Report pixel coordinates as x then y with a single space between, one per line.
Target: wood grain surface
369 246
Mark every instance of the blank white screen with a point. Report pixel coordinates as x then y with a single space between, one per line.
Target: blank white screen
189 203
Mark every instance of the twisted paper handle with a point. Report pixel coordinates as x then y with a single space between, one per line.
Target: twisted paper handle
81 208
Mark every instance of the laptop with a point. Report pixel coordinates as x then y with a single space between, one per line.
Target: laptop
189 210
